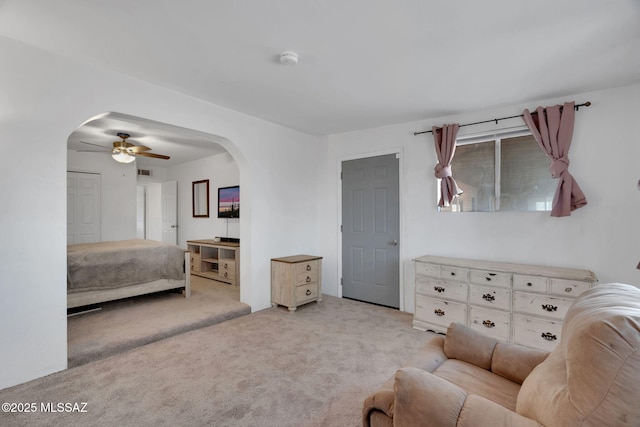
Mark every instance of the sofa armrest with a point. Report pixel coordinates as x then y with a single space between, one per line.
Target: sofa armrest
379 401
423 399
430 356
480 412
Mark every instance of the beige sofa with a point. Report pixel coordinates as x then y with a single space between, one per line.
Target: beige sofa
592 377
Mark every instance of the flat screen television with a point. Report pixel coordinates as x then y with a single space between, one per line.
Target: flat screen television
229 202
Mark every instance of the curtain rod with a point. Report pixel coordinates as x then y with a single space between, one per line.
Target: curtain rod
577 107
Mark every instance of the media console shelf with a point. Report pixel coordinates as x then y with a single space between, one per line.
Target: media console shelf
215 260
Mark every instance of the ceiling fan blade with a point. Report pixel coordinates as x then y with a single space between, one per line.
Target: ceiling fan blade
96 145
138 148
155 156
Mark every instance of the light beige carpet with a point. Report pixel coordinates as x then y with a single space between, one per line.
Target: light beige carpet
125 324
311 368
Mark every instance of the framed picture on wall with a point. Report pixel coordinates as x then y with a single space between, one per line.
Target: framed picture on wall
229 202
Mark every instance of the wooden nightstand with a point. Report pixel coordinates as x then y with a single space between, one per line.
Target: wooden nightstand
296 280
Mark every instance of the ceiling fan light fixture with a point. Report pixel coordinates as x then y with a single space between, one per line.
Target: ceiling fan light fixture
122 157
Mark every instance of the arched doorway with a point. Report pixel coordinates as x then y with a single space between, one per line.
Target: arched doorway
193 156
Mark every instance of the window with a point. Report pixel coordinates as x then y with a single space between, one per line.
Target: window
501 172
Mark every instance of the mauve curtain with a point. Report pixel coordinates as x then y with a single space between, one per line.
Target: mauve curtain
445 140
552 127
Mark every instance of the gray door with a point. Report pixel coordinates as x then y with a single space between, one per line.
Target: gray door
370 230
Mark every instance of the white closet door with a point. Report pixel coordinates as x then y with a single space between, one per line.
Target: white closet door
169 201
83 207
141 212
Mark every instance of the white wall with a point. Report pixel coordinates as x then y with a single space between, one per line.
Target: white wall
602 236
221 171
289 183
118 190
44 98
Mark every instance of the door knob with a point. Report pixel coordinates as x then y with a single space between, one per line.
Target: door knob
393 243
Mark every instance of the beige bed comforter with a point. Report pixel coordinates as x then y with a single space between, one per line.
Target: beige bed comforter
109 265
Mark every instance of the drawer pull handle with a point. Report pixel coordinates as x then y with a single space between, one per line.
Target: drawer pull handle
439 312
438 289
488 324
308 279
488 279
453 273
308 292
488 297
568 289
529 284
549 307
226 266
308 267
549 336
226 274
492 274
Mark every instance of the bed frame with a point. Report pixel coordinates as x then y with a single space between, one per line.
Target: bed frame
79 299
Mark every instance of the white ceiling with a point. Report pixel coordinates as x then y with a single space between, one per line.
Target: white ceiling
363 63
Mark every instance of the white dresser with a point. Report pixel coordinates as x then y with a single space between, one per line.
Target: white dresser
519 303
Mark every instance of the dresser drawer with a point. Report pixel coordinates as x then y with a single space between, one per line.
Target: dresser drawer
306 293
195 262
493 323
439 312
426 269
530 283
306 272
537 333
306 267
448 272
442 289
541 305
227 266
569 288
499 298
227 274
483 277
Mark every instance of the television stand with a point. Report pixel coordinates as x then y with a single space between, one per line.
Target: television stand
215 260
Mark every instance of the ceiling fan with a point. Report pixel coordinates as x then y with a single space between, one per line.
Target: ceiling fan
125 152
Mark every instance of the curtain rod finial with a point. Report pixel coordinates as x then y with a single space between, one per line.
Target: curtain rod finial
586 104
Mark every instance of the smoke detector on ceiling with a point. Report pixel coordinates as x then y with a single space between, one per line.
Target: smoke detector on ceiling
288 58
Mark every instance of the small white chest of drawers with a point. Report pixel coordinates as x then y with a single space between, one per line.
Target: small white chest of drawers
519 303
296 280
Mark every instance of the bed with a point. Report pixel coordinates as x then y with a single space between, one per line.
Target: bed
107 271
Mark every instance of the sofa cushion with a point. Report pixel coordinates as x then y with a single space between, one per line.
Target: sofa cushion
464 343
515 362
475 380
592 376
